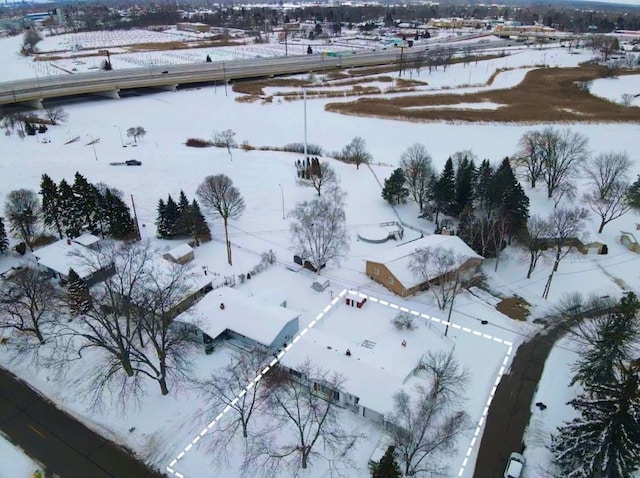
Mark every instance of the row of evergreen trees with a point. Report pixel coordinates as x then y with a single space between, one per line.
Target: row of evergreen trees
71 210
482 198
4 241
181 220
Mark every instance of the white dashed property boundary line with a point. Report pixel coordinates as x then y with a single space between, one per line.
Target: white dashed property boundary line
332 304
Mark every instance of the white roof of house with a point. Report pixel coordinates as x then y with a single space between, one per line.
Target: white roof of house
180 251
63 255
364 371
255 319
398 259
86 239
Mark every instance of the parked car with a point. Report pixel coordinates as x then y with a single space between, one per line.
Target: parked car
133 162
514 466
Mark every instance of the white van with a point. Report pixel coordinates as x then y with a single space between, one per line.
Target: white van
514 466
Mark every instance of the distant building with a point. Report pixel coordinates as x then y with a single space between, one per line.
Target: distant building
193 27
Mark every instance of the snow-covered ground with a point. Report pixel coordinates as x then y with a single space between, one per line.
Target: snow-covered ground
266 179
15 464
613 88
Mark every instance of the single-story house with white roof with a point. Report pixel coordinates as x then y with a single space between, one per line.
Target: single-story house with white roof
226 314
57 258
363 369
391 268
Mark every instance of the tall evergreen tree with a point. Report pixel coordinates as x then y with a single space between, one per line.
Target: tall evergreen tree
387 467
51 213
201 231
604 441
483 177
4 241
444 191
162 227
464 181
120 223
71 221
395 191
615 340
184 224
87 203
507 198
171 215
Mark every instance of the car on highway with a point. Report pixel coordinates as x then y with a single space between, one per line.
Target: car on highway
133 162
515 466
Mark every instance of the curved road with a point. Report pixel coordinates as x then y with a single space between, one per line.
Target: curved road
62 444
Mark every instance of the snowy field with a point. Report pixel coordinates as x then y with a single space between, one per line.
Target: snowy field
612 89
15 464
168 166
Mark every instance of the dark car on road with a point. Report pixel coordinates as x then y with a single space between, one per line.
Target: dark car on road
133 162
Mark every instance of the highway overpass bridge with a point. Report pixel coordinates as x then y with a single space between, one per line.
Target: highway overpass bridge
34 91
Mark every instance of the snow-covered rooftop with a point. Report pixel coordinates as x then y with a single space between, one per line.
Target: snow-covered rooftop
180 251
398 259
63 255
255 319
86 239
364 370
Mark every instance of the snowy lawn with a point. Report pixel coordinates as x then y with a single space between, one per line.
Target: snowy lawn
613 88
15 463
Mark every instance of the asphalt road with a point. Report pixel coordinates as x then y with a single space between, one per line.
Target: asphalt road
510 408
63 445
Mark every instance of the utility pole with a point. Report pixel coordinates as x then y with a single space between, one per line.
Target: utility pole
135 218
224 75
304 97
453 297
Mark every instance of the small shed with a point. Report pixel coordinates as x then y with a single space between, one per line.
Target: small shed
181 254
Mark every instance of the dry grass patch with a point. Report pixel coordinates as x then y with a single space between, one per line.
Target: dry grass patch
256 87
402 83
515 308
545 95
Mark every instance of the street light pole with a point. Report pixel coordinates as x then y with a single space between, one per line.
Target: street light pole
304 97
120 132
282 194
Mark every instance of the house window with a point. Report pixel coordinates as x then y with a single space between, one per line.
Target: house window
336 395
376 271
391 281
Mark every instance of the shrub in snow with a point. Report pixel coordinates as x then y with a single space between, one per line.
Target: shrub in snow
314 149
198 143
404 321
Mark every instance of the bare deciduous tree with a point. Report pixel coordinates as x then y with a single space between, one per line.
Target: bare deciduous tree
225 139
129 319
321 176
356 152
222 388
56 114
537 229
306 407
222 199
425 429
610 206
136 132
530 156
627 99
22 208
565 227
30 304
419 173
564 154
319 232
439 267
606 169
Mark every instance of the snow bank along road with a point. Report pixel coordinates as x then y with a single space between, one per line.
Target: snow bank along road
62 444
110 82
